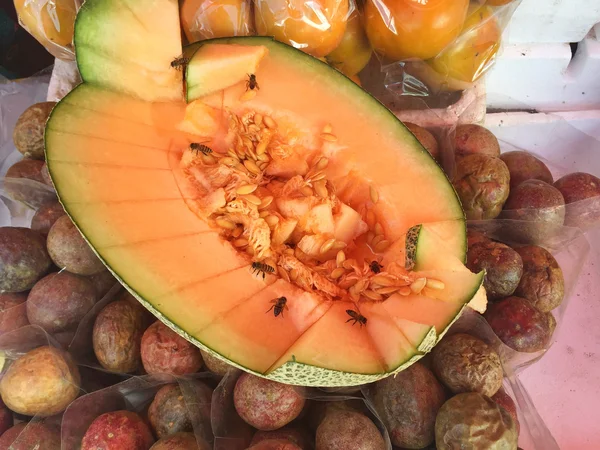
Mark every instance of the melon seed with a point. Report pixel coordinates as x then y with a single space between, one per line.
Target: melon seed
377 239
246 189
384 280
252 199
306 191
340 258
269 122
371 219
387 290
404 290
337 273
327 246
224 223
266 201
252 167
372 295
374 194
322 163
328 137
318 176
435 284
418 285
320 189
261 148
382 246
272 220
240 243
283 274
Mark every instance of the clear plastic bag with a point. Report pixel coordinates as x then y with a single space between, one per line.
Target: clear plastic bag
51 22
135 394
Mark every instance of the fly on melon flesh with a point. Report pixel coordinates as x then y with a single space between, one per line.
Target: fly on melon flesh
292 227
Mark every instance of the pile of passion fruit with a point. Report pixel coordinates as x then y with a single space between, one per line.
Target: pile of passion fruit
52 281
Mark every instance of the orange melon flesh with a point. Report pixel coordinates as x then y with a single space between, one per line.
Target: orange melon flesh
251 326
353 158
424 310
222 66
351 349
116 163
128 46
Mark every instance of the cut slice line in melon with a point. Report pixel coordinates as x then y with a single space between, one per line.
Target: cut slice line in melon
182 227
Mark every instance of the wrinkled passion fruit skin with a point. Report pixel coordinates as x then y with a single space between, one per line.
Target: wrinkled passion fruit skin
482 183
539 207
295 434
23 258
426 139
6 418
520 325
467 364
180 441
503 267
45 216
524 166
42 382
542 282
117 336
214 364
265 404
342 430
28 134
31 435
506 401
474 421
164 351
69 250
59 301
118 430
169 413
13 311
472 138
581 187
275 444
408 404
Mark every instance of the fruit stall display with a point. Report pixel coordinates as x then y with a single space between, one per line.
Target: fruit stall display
307 259
444 44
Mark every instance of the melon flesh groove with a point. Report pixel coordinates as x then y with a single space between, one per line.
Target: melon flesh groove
179 230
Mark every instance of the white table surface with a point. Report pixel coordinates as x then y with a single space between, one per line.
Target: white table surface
565 384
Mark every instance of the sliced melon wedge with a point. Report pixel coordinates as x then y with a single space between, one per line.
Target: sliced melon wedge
203 210
220 66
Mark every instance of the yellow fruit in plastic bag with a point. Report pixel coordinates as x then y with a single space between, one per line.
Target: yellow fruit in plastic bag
354 51
51 22
316 27
498 2
473 52
206 19
404 29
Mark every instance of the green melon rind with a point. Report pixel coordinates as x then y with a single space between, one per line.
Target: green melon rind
310 63
412 238
291 372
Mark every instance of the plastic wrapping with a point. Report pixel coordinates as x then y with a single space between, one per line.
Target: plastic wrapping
135 393
423 48
51 22
460 53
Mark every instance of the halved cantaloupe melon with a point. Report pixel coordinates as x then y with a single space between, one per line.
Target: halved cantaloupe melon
297 231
